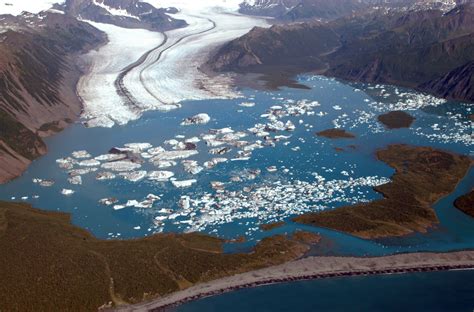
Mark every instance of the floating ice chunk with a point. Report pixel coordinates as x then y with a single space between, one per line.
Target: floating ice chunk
165 211
337 107
272 169
214 161
81 154
184 183
171 142
164 163
225 130
289 126
217 185
89 163
214 142
67 192
121 165
82 171
161 176
109 201
247 104
240 158
75 180
119 207
110 157
101 176
184 202
193 140
66 163
220 150
199 119
138 147
173 155
131 203
191 166
134 176
44 183
156 150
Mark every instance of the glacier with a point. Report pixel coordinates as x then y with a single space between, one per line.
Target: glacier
139 70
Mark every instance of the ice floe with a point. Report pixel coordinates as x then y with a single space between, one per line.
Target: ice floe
184 183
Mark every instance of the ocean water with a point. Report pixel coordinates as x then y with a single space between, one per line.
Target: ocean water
302 158
433 291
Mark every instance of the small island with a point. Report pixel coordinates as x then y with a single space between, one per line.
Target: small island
396 120
465 203
336 134
423 176
271 226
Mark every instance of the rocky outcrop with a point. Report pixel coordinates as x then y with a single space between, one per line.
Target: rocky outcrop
457 84
37 83
428 50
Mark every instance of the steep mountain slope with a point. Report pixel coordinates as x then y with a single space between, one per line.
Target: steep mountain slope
37 83
418 49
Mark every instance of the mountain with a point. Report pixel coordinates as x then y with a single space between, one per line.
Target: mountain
430 50
37 82
123 13
297 10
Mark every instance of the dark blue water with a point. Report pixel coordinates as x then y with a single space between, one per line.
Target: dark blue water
353 107
435 291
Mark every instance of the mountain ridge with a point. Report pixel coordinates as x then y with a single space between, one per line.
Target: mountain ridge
414 49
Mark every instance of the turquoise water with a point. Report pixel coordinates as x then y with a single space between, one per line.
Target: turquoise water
435 291
353 107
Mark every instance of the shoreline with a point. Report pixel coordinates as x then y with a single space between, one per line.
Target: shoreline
313 268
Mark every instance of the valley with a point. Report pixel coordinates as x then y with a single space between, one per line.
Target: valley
158 152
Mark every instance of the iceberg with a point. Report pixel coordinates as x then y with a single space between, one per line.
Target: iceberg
121 165
160 176
199 119
184 183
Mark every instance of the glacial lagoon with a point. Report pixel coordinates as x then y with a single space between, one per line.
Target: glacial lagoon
256 161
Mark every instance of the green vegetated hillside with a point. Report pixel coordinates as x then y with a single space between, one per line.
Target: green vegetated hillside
47 264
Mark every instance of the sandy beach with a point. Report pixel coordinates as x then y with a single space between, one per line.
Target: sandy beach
314 268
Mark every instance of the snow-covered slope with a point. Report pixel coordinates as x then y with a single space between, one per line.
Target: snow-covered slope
16 7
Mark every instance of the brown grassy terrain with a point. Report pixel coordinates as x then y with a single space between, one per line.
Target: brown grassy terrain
306 237
335 134
271 226
423 175
47 264
465 203
396 120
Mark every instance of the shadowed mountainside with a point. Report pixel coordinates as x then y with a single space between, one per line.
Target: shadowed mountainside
37 83
428 50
